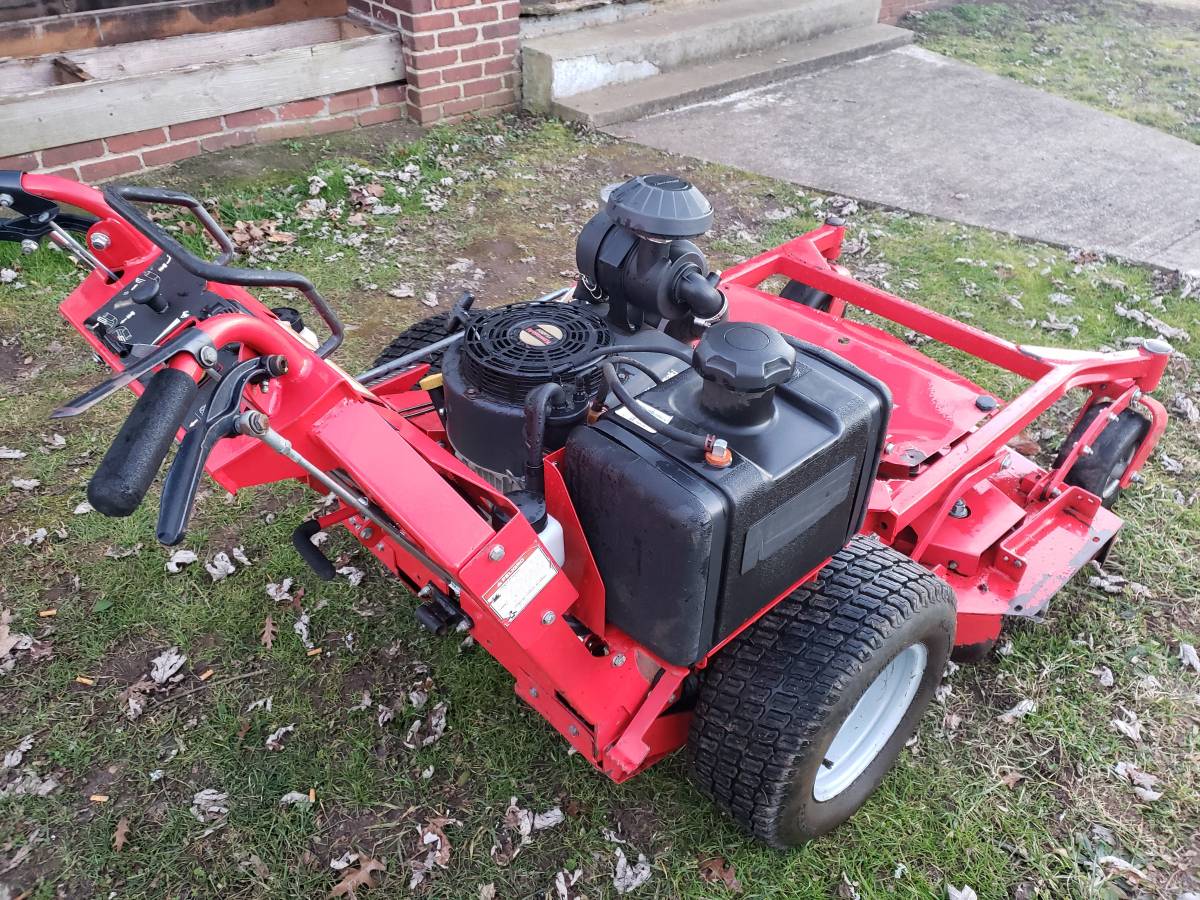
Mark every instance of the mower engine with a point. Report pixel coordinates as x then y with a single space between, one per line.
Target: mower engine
708 480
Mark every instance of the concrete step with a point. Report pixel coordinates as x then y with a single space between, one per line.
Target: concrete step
683 87
676 36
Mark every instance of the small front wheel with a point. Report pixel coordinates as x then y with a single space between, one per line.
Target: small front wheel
802 715
1100 471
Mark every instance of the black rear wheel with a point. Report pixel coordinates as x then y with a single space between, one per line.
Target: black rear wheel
802 715
806 296
417 337
1100 471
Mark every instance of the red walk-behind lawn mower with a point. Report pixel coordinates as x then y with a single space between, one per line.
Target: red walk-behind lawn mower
680 509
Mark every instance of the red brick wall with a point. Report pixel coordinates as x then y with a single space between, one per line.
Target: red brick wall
128 153
892 11
460 55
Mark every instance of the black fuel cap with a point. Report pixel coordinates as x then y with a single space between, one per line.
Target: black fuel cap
744 356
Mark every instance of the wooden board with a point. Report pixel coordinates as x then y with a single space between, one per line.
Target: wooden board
71 113
109 27
19 76
143 57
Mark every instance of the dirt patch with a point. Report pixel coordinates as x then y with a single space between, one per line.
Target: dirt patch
641 826
285 158
11 361
367 831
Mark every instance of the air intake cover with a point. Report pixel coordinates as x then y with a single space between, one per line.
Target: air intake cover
505 354
508 352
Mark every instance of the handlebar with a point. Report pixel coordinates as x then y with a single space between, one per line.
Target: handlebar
121 199
128 468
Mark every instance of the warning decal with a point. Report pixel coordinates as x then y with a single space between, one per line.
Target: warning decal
520 584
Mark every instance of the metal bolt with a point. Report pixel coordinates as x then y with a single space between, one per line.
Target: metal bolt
619 660
960 510
1007 461
1086 451
547 617
496 553
533 692
1136 477
952 565
1137 394
1017 564
6 200
367 533
208 356
379 546
1112 417
1057 492
889 447
573 730
99 240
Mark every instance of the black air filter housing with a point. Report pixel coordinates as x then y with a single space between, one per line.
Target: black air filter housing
504 355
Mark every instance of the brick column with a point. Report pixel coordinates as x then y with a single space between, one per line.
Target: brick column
461 55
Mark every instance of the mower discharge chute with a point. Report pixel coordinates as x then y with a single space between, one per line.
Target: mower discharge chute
681 509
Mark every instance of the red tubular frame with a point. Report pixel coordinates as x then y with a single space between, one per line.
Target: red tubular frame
1027 533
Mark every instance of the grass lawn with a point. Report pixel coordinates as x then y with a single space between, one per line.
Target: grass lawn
1140 61
1028 809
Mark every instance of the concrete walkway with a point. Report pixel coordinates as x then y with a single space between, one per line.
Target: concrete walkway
916 130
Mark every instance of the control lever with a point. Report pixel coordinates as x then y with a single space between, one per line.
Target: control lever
35 216
193 340
219 420
460 314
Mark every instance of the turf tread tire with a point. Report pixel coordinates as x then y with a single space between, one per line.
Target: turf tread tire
1112 450
417 337
767 696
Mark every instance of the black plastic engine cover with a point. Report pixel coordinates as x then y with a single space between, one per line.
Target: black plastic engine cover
688 553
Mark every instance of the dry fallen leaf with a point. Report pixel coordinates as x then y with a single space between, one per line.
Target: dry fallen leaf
166 664
179 559
361 877
716 869
221 567
1189 658
120 834
269 631
1024 444
628 878
1011 778
1020 711
275 738
13 757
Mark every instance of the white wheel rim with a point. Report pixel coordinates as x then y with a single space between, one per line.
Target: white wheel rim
871 723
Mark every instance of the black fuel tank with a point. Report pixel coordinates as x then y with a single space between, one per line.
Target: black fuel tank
688 552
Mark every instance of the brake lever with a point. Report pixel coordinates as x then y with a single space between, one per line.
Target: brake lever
219 420
193 340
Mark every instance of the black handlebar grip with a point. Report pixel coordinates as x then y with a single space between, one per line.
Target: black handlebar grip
129 466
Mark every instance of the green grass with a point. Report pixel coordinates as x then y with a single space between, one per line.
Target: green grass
519 192
1137 61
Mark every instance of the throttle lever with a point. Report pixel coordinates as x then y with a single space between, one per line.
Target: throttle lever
193 340
219 420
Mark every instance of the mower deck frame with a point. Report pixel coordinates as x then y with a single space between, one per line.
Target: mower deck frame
612 699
